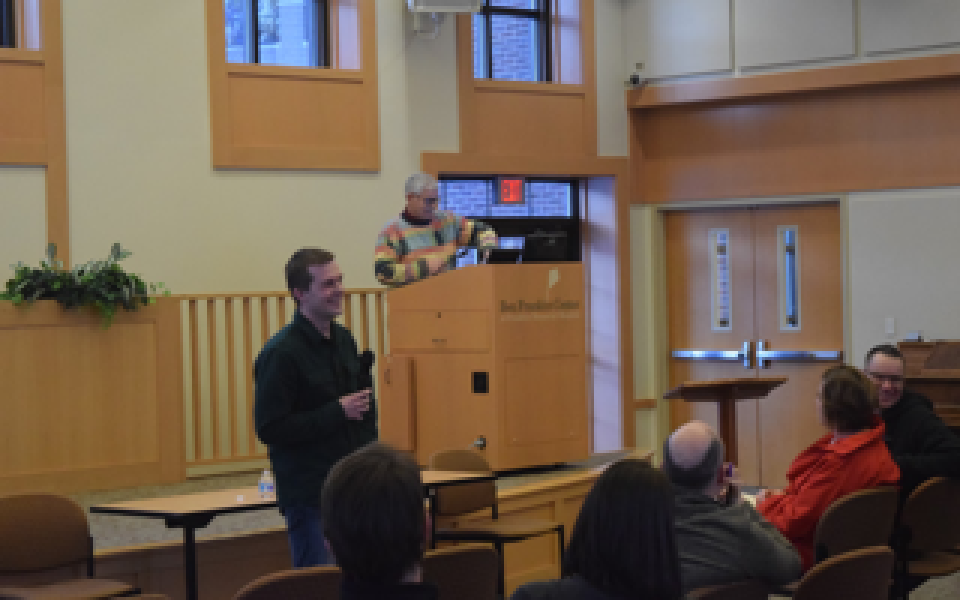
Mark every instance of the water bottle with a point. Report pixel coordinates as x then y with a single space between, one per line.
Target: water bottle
266 486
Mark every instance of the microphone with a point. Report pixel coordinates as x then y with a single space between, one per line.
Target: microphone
366 358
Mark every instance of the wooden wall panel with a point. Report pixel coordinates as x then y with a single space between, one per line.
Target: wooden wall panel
21 114
302 113
88 407
520 120
812 140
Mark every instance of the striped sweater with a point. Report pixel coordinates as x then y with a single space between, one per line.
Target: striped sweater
405 244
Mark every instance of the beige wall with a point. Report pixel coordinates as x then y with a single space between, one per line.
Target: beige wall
23 227
139 152
687 38
903 265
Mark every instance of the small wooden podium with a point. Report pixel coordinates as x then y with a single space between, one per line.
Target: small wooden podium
725 392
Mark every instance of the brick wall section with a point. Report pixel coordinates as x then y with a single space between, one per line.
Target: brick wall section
515 45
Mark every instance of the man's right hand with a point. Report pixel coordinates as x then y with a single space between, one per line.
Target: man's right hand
436 264
356 404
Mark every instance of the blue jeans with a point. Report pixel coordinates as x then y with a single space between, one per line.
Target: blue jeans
307 546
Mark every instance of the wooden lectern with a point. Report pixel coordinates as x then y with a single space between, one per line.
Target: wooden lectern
490 357
726 392
933 369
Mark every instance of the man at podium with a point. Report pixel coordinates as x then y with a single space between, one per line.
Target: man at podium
423 241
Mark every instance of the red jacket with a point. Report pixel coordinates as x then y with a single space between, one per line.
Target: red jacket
823 473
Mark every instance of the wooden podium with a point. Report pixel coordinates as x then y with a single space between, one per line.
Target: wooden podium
933 369
490 357
726 392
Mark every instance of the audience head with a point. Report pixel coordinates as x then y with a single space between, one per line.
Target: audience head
847 400
623 540
884 366
422 195
371 508
693 459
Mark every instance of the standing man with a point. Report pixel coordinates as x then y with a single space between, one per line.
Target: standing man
921 444
423 241
313 403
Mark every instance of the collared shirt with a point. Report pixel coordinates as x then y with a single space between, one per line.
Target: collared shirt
299 377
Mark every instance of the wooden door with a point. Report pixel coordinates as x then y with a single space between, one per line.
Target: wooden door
714 309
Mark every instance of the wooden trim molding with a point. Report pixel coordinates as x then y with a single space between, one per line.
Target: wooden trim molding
55 118
277 117
794 82
861 127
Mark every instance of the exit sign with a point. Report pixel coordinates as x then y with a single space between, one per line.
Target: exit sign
511 191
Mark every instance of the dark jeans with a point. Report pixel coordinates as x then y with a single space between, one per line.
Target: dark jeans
307 546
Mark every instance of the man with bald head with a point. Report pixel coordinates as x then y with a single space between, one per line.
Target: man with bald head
721 538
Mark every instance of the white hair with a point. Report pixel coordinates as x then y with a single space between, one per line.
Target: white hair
418 182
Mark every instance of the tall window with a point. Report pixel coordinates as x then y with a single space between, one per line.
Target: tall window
511 40
8 28
277 32
516 207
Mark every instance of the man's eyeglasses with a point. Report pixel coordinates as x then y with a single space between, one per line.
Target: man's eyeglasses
881 377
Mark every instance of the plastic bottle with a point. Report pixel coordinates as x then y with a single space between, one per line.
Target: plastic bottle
266 486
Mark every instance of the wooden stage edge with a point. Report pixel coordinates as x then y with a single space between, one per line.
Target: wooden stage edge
225 563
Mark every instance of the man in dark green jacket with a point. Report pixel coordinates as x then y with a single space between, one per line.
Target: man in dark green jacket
313 401
920 442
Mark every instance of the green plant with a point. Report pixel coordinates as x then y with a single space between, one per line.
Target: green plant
102 285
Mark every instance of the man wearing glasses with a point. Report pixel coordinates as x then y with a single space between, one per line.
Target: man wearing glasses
423 241
920 443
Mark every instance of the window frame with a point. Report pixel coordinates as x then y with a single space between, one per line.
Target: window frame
544 20
521 226
322 9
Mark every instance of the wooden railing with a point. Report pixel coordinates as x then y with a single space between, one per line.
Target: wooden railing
222 335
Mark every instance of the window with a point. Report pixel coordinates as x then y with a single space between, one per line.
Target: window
511 40
547 205
8 28
277 32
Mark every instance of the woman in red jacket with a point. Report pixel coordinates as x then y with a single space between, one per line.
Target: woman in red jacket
850 457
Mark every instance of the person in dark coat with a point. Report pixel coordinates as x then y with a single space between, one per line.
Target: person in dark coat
919 441
623 543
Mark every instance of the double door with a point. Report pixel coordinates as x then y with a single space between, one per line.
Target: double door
757 292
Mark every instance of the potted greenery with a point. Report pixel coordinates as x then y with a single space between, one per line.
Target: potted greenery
102 285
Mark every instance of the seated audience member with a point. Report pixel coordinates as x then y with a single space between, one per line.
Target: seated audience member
921 444
850 457
371 507
721 539
622 544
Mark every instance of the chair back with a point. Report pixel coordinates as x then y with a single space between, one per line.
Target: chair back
311 582
748 589
858 520
42 531
862 574
465 572
929 518
453 500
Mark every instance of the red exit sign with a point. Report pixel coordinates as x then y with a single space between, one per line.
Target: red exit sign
511 191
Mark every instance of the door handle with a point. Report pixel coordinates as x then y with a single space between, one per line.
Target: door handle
743 354
765 357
